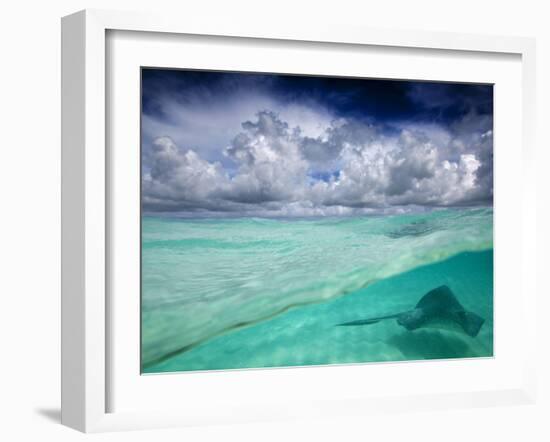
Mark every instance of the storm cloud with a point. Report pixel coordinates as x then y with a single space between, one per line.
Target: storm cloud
293 154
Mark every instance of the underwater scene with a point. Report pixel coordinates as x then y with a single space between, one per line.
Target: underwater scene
247 293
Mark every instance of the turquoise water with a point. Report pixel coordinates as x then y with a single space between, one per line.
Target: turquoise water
244 293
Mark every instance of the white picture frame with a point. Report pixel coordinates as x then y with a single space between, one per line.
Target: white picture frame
86 317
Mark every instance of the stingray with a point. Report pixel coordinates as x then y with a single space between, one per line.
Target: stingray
438 308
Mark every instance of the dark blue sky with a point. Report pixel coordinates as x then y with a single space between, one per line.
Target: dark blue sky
379 100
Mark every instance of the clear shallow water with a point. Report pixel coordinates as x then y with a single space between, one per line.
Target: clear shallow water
243 293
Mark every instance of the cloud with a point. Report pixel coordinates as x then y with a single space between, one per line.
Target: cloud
272 167
207 118
180 180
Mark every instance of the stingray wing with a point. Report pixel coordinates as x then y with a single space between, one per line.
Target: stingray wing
441 304
471 323
440 299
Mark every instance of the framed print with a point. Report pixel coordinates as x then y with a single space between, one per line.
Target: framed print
308 209
271 223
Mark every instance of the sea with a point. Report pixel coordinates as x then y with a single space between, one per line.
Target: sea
237 293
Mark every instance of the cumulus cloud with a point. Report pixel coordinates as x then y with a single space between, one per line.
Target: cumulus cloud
206 121
273 167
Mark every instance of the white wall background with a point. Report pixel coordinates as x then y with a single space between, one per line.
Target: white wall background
30 220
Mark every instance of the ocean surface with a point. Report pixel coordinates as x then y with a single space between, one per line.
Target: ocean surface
253 292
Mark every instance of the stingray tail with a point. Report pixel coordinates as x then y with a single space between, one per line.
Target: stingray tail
368 321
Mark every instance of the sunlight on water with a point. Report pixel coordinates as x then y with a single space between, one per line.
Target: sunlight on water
240 293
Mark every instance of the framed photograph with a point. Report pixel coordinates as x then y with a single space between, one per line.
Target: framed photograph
263 223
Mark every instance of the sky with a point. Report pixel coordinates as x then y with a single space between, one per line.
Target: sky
238 144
